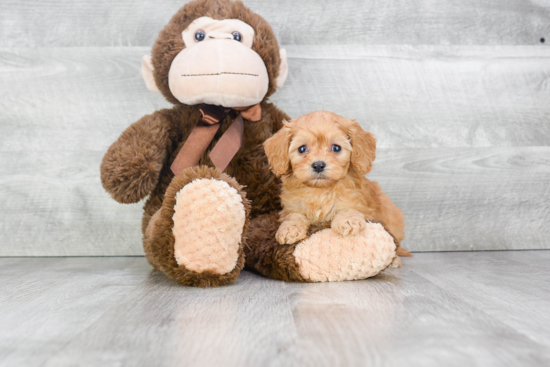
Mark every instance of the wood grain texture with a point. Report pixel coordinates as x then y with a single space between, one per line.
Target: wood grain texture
453 199
83 98
48 302
68 99
453 309
469 198
33 23
54 205
60 109
487 294
427 96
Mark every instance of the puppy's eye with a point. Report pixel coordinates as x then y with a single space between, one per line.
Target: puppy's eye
336 148
200 35
302 149
237 36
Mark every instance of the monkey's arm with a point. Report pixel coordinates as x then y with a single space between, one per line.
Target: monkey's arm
130 169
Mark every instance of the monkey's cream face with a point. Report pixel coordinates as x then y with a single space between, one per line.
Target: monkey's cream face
319 152
218 65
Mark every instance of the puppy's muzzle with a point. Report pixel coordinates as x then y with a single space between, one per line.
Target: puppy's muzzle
318 166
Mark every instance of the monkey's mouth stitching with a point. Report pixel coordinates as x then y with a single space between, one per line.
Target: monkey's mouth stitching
225 72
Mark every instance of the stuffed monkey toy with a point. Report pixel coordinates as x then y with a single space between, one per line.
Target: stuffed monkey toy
213 201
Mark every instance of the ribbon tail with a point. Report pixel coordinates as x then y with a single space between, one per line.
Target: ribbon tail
228 145
194 147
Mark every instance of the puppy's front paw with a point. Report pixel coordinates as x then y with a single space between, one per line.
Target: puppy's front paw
348 225
290 233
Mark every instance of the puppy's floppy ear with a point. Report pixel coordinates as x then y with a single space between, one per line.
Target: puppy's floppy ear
364 147
276 149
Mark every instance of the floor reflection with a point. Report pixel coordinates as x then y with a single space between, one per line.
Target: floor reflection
226 325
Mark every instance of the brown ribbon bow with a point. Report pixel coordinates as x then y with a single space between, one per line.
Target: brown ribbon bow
201 136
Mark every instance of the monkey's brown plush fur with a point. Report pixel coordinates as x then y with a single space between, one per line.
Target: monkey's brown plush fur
169 42
138 163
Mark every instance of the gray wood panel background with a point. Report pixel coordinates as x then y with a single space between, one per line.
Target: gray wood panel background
458 94
47 23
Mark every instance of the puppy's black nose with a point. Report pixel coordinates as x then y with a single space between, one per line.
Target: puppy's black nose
319 166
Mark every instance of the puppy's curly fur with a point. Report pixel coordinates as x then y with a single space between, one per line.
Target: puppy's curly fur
322 159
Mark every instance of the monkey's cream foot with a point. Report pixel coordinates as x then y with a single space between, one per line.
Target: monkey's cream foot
327 256
209 217
348 224
196 237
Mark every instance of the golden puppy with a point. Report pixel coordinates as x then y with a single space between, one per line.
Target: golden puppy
322 159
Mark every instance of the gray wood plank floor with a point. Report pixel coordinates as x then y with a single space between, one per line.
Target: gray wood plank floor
440 309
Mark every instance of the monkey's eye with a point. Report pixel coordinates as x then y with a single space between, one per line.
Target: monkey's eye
200 35
302 149
336 148
237 36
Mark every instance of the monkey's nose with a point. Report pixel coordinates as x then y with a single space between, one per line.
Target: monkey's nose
319 166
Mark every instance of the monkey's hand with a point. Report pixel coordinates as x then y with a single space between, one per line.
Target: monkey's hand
131 167
293 229
349 221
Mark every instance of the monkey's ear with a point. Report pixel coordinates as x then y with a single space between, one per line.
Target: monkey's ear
364 148
147 73
283 68
276 150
